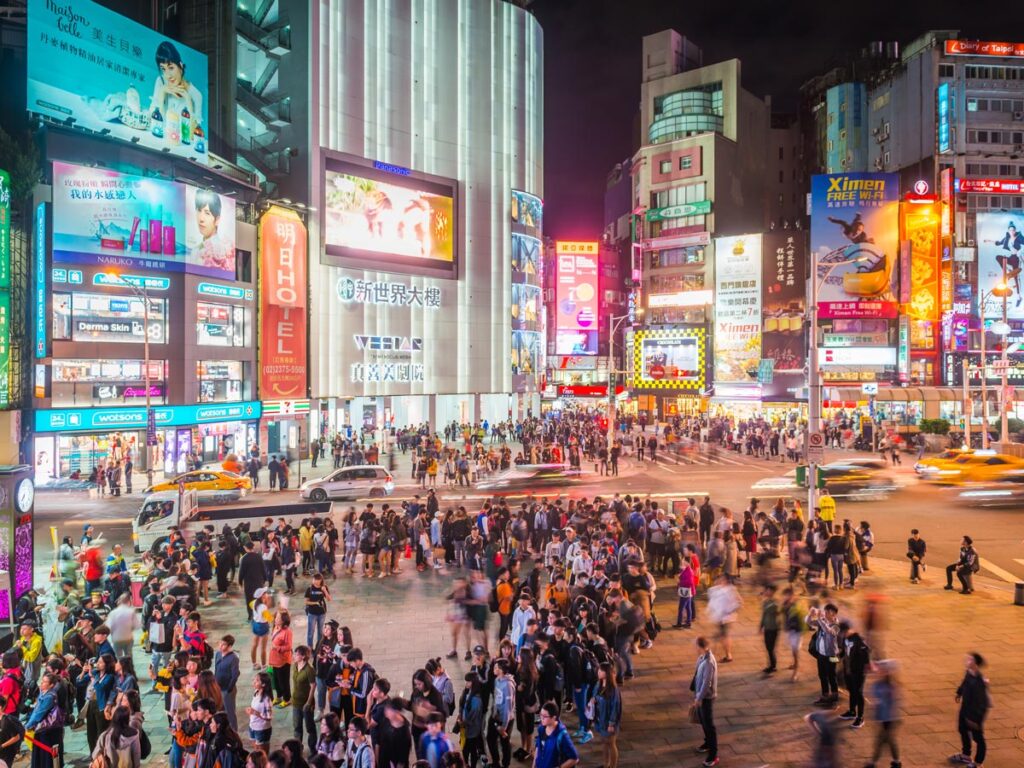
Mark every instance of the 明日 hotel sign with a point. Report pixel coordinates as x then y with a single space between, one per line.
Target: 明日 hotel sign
282 247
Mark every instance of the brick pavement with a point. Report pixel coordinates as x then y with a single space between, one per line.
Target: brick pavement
399 623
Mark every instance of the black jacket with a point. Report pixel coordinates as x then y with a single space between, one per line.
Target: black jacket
251 574
974 699
856 656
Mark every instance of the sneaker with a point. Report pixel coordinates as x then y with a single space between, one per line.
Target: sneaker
960 757
586 737
647 644
710 763
948 587
452 655
848 715
858 723
701 748
628 676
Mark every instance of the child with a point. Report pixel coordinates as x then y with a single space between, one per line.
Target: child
261 712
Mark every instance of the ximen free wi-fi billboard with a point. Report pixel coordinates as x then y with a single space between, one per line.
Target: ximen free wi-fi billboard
387 218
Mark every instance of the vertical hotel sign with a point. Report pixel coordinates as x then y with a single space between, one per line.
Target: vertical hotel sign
282 305
5 289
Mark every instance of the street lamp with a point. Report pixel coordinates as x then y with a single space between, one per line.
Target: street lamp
814 376
613 323
143 294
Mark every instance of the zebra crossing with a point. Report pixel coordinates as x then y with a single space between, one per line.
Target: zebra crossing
720 458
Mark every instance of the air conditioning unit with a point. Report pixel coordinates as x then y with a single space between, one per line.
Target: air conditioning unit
1018 116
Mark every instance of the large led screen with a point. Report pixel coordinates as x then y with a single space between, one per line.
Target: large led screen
389 220
100 71
576 292
118 220
669 359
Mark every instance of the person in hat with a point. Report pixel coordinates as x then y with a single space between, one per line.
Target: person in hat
30 645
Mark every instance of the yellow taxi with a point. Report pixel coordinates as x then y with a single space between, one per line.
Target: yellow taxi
979 467
206 481
929 466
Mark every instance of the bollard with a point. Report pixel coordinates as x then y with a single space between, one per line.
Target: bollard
1018 593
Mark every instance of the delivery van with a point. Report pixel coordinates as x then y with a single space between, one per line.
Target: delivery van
163 510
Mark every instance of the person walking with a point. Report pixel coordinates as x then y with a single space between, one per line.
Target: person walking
965 567
885 703
916 551
770 619
856 657
705 690
973 697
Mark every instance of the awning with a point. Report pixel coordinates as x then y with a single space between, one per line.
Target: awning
913 394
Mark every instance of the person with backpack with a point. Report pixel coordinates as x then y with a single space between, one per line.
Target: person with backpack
551 684
554 747
120 744
226 748
581 676
965 567
30 646
12 734
503 716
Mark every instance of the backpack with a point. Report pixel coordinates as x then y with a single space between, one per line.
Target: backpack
558 678
16 696
492 600
206 656
588 664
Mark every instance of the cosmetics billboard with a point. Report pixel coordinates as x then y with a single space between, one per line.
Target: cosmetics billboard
108 74
383 217
118 220
855 242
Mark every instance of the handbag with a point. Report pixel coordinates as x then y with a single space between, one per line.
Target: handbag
812 647
156 632
693 716
685 592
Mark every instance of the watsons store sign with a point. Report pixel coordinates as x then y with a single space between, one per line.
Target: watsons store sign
84 419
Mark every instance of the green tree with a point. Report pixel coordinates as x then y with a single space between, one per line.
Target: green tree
21 160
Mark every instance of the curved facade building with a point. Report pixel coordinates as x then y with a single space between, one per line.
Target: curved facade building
426 115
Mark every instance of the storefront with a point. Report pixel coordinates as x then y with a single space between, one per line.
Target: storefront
284 428
78 439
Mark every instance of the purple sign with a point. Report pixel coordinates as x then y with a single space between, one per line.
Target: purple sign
155 390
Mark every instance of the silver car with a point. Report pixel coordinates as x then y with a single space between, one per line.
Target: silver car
349 483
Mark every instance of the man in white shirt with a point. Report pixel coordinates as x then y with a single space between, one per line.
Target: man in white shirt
521 615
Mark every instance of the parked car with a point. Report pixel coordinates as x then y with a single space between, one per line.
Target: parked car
349 483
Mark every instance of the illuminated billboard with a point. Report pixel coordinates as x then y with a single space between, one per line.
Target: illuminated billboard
783 311
389 219
575 342
1000 248
855 242
576 285
669 359
921 232
283 302
100 71
737 308
526 307
118 220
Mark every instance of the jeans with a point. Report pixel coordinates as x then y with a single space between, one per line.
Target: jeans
122 648
886 736
837 569
855 685
159 660
496 740
314 621
229 707
707 722
685 610
827 678
304 717
622 644
580 697
915 569
967 732
460 553
854 571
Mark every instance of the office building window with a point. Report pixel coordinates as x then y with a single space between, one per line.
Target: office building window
665 166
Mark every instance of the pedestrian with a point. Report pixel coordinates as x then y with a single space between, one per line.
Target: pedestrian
262 616
554 747
769 626
47 726
129 466
724 603
885 702
795 623
317 596
226 673
470 725
303 697
705 690
607 705
826 509
686 588
856 657
252 576
261 712
965 567
281 658
973 697
824 647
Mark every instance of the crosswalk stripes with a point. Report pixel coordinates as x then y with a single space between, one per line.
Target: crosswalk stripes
1006 576
718 459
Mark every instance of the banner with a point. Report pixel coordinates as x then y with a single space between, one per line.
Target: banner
784 310
108 74
1000 248
282 247
737 309
855 243
116 219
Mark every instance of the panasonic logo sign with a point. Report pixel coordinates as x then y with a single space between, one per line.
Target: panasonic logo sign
389 343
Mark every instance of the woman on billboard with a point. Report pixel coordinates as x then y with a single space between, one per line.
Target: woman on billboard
177 106
1012 243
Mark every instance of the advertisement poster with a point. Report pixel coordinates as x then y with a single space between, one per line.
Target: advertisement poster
525 352
855 242
1000 249
669 359
783 309
115 219
382 216
527 210
282 245
737 308
921 232
525 307
576 280
112 75
526 258
575 342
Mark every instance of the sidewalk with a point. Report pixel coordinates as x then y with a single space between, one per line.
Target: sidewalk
399 624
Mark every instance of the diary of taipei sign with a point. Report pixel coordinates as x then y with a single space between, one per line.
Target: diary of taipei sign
283 305
5 289
384 293
679 211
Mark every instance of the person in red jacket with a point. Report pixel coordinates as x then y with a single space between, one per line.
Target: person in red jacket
11 683
92 569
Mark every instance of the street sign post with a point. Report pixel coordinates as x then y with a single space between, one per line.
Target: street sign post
815 448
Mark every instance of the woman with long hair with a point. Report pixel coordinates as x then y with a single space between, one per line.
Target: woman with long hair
103 681
331 743
48 741
226 745
749 537
207 688
120 742
527 702
608 714
124 668
261 712
281 658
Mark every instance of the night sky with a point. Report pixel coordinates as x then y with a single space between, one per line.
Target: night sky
592 69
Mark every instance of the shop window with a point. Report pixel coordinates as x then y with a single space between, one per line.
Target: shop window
224 381
62 317
222 325
243 266
119 319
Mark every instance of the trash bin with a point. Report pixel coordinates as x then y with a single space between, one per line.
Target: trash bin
1018 593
